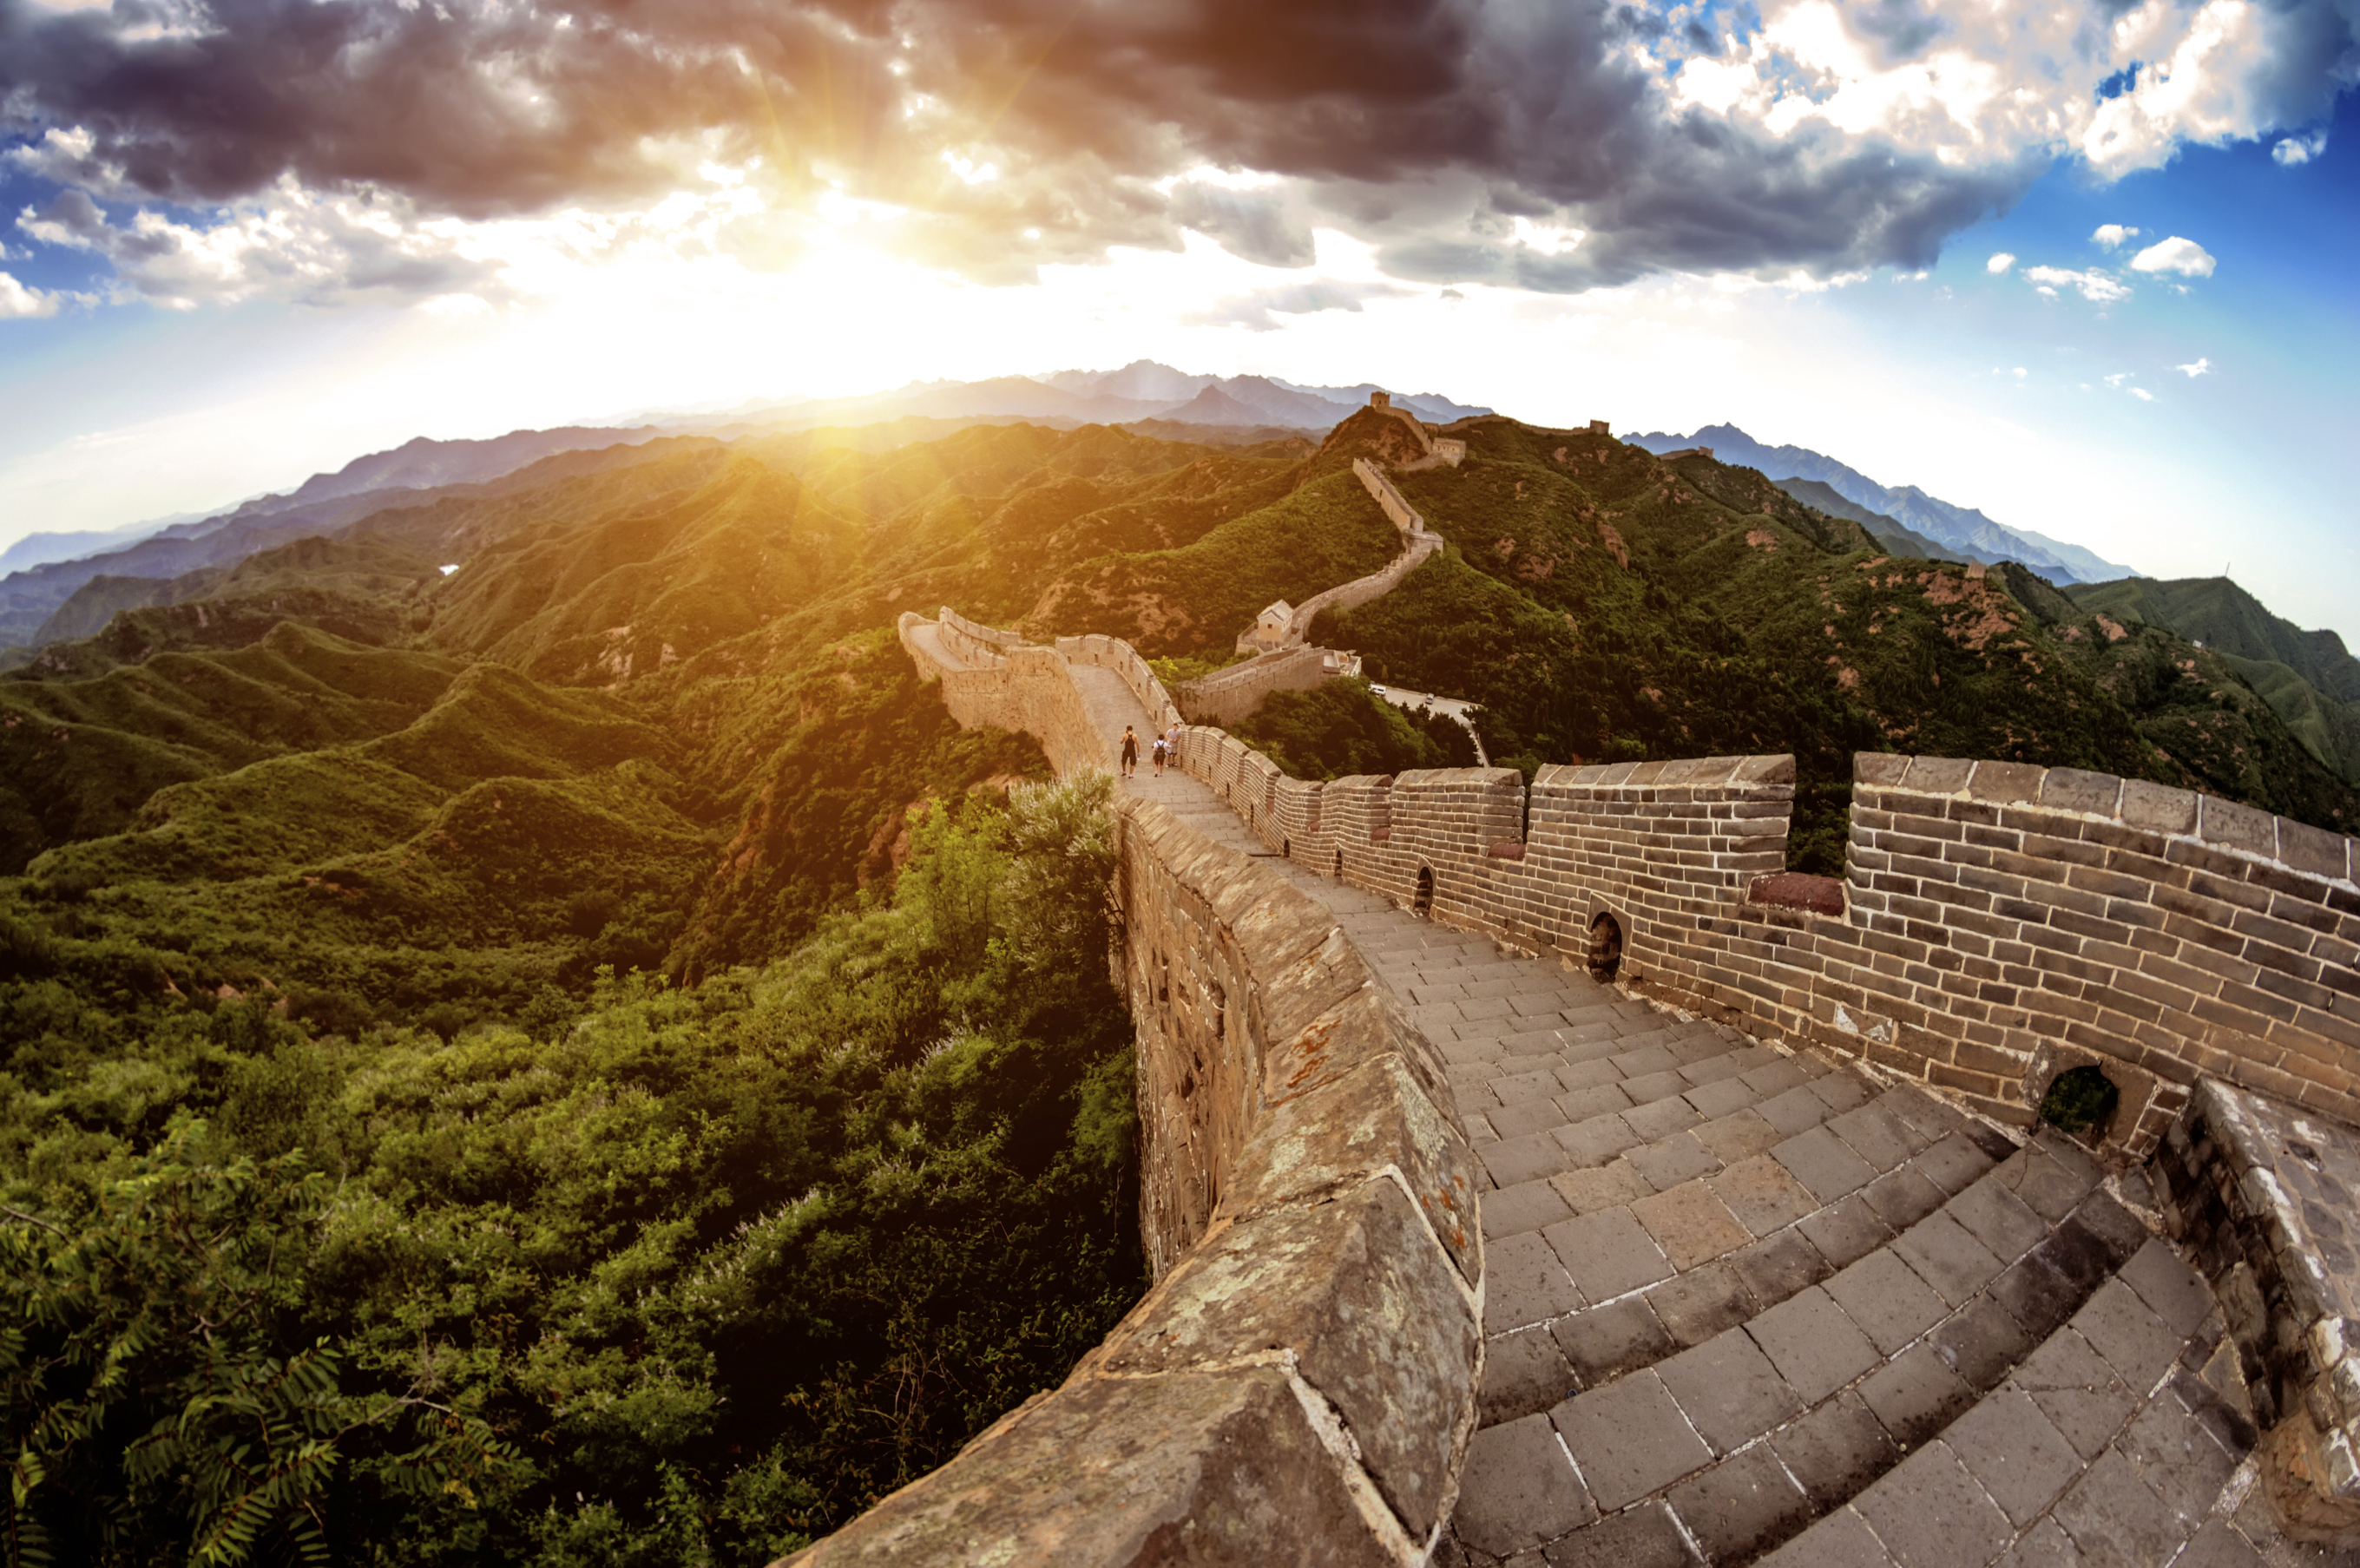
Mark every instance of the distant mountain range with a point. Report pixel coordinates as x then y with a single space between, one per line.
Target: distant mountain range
46 570
1143 389
1957 532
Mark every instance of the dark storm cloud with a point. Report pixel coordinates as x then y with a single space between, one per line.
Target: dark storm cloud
1425 125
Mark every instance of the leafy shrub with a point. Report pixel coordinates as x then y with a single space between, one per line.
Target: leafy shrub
668 1274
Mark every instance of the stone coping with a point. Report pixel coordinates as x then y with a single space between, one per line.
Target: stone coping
1299 1386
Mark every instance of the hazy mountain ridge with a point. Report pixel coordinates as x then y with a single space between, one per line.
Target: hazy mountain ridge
1896 535
1964 530
50 567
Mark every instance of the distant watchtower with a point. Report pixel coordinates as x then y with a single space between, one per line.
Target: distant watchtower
1381 399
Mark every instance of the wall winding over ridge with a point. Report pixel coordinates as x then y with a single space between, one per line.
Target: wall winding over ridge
1300 1384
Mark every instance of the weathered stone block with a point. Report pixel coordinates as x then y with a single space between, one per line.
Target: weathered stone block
1343 1130
1777 769
2234 826
1877 768
2072 790
1938 774
2314 851
1216 1467
1370 1310
2157 806
2005 783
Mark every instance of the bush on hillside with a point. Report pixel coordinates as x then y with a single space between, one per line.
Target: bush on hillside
693 1274
1338 729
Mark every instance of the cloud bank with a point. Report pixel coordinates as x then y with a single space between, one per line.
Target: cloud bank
1547 146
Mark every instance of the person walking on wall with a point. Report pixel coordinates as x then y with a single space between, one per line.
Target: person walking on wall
1130 750
1159 757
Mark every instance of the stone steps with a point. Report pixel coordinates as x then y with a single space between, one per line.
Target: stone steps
1792 1247
1788 1414
2117 1440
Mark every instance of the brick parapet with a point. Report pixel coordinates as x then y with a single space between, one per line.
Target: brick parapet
1300 1383
1998 923
1228 695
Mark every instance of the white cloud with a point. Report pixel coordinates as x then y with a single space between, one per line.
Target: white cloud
1999 263
2117 378
2096 287
20 304
2111 235
2019 373
2184 256
2293 150
1978 86
2142 393
2201 367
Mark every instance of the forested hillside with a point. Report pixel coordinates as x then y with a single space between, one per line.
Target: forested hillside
576 1058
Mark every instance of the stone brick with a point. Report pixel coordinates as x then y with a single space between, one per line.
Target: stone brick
1741 1507
1889 1302
1842 1539
2314 851
1643 1537
1878 767
1629 1439
2019 1458
1608 1254
1695 1306
1603 1344
1931 1514
2234 826
2005 783
1524 1373
1816 1347
1729 1391
1915 1394
1937 775
2072 790
1518 1488
2157 806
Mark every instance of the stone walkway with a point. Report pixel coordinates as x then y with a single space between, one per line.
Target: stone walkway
1745 1305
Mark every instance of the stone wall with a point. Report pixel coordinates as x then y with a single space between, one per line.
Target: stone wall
1405 517
1228 695
1014 686
2260 1197
1114 653
1425 436
1999 923
1300 1385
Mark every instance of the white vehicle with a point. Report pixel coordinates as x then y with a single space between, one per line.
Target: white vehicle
1375 690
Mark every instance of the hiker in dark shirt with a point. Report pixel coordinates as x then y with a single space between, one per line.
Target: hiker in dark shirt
1130 751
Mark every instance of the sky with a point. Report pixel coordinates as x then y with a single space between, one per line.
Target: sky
2094 267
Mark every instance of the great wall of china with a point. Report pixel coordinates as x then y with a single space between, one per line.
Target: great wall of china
1548 1171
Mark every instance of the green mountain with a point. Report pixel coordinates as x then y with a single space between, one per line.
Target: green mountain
2309 678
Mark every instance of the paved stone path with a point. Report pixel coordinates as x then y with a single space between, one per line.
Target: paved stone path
1743 1305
